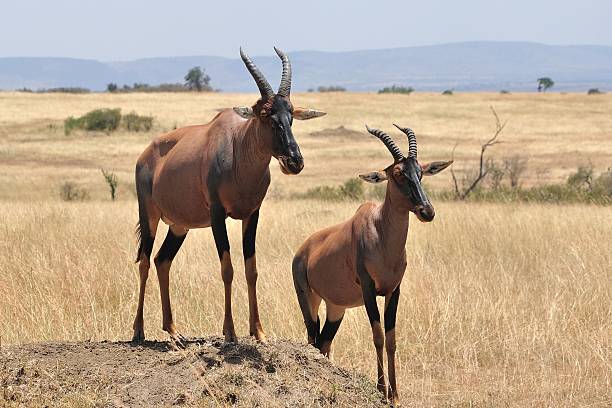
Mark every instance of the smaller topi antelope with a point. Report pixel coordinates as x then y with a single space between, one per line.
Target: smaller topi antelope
349 264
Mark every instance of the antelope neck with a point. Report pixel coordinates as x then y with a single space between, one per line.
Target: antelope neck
392 221
252 150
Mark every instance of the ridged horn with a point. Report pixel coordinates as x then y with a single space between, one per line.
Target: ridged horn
284 89
262 83
386 139
412 143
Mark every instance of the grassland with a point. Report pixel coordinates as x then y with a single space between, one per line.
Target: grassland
502 305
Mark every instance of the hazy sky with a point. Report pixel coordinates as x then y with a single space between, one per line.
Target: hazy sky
128 29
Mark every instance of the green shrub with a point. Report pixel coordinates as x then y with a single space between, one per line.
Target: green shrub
504 92
448 92
397 89
105 120
71 124
603 184
582 187
112 181
582 178
594 91
70 191
352 189
137 123
140 87
108 120
332 88
75 89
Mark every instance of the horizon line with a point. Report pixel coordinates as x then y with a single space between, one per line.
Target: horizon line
110 61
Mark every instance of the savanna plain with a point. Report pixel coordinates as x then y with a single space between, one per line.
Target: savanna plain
503 304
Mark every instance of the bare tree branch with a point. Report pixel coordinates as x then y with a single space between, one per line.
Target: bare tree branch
457 194
483 168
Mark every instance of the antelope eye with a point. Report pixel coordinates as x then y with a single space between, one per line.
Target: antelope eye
399 176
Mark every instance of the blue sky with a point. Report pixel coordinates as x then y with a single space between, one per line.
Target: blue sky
129 29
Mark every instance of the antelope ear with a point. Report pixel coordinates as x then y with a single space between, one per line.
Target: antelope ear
305 114
374 177
244 111
432 168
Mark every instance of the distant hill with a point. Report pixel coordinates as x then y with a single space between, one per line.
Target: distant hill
468 66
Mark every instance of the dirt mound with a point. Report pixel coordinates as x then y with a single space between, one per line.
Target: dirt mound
208 372
339 132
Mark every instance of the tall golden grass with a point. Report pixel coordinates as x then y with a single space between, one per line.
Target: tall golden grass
502 305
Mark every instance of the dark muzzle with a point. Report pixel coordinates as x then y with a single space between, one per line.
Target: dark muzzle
291 164
425 213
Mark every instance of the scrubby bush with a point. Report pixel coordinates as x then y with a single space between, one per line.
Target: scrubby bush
331 88
108 120
71 123
594 91
514 167
70 191
137 123
112 87
75 89
112 181
581 187
397 89
166 87
603 184
504 92
105 120
352 189
582 179
448 92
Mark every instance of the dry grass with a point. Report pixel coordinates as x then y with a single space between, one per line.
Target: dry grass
502 305
556 132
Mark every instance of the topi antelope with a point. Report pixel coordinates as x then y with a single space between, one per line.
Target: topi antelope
349 264
197 176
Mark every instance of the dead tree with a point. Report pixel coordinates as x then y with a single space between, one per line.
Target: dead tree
483 168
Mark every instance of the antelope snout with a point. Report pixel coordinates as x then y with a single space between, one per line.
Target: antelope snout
295 164
292 164
425 213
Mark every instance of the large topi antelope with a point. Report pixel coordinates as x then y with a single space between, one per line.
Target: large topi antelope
349 264
196 176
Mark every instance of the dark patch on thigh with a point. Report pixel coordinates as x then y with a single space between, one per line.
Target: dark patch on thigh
170 247
248 240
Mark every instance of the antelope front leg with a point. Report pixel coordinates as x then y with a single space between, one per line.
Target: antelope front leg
249 232
391 302
369 298
217 213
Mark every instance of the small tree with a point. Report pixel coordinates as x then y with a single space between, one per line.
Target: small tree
111 180
544 84
112 87
196 79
